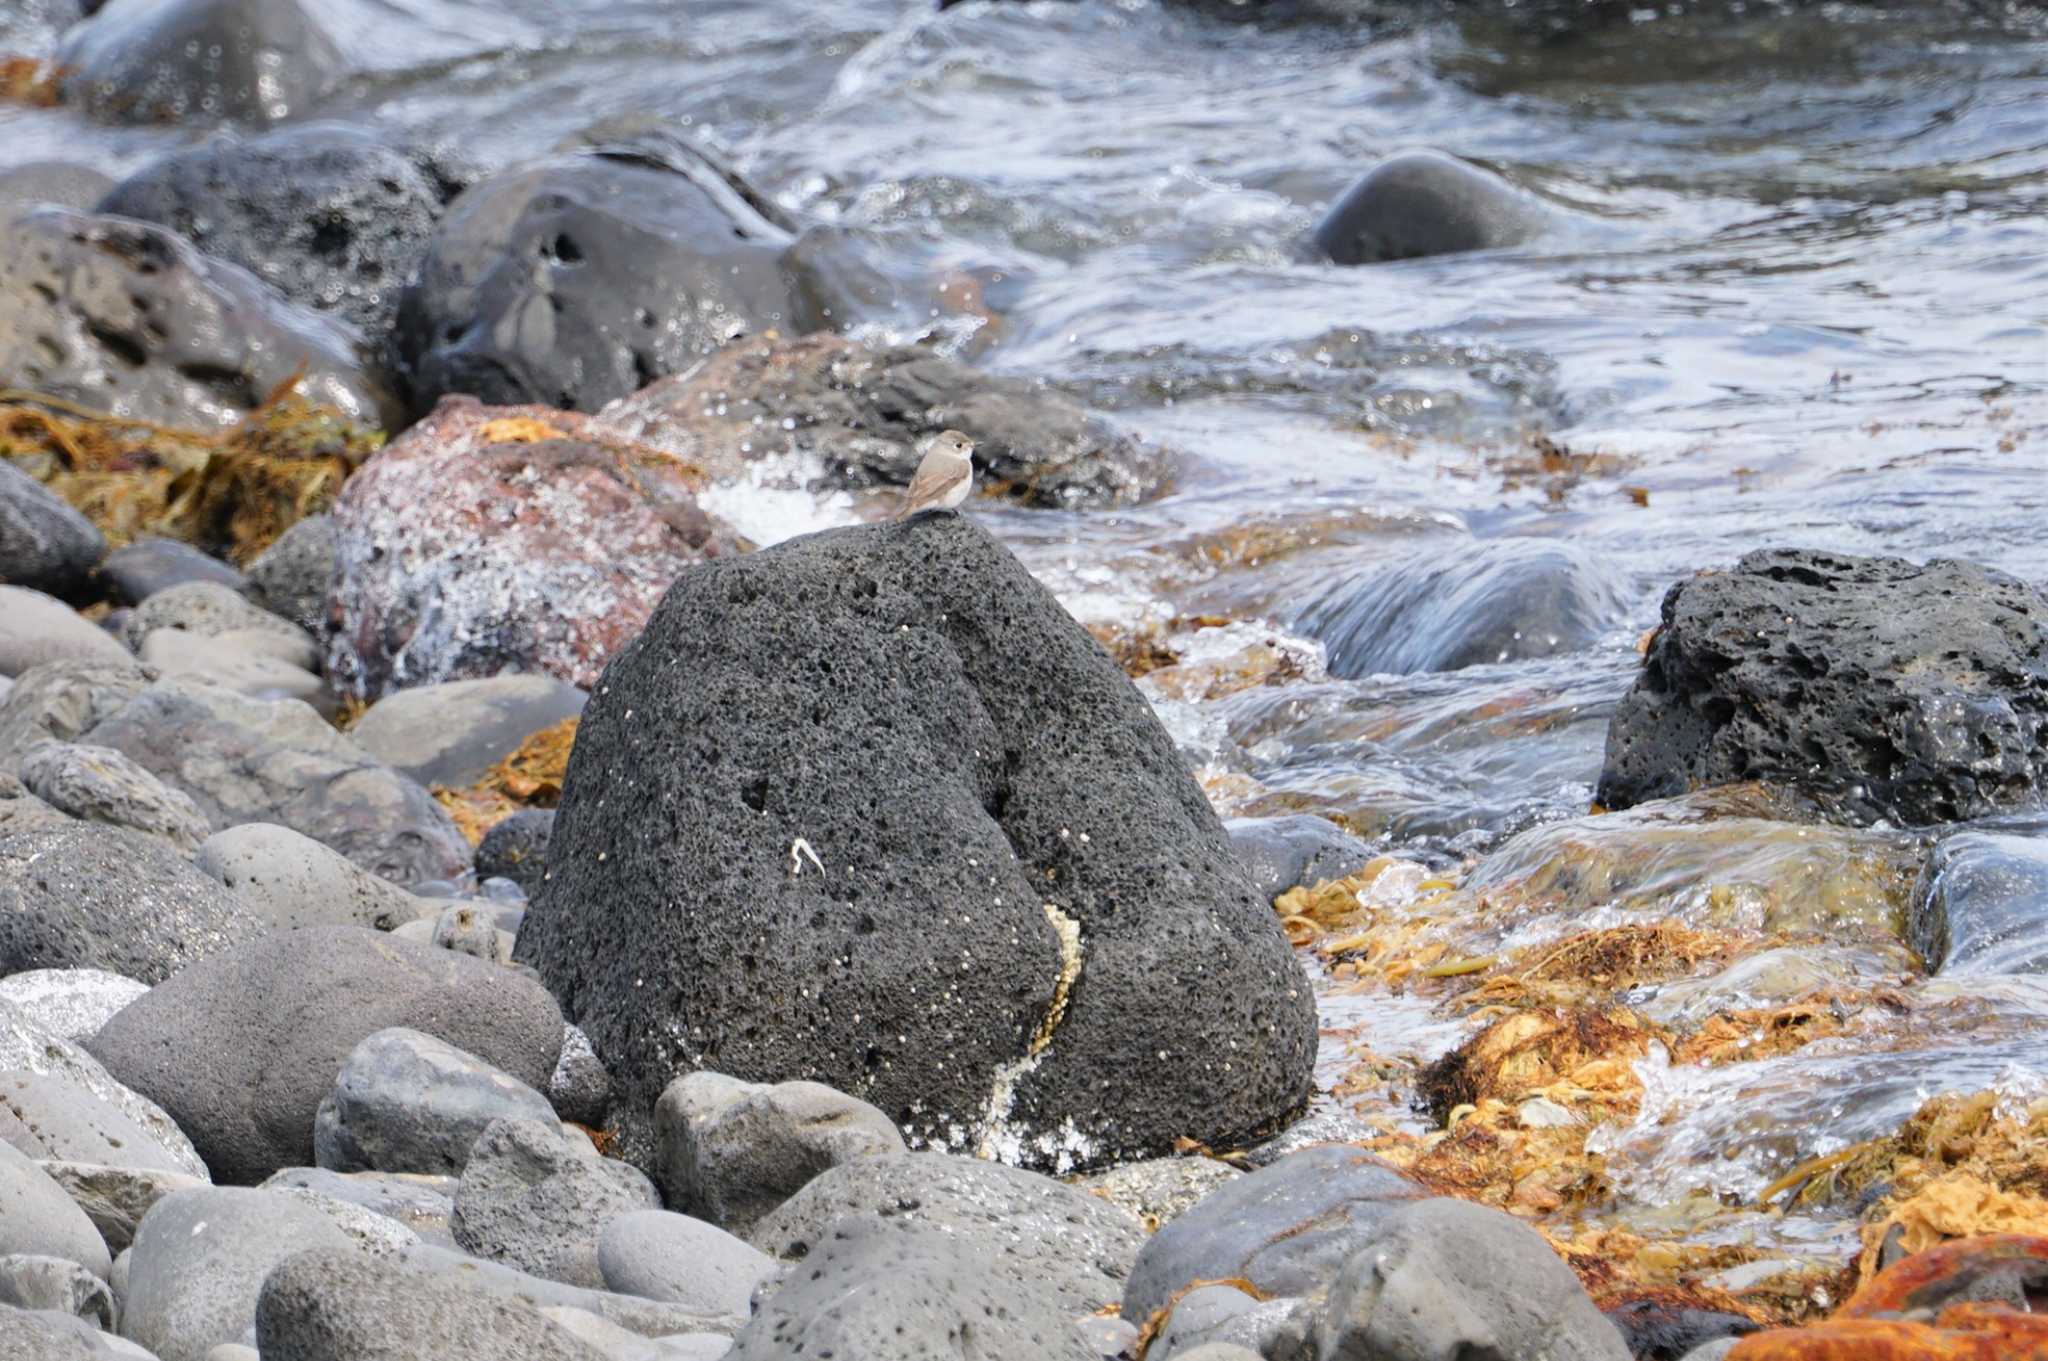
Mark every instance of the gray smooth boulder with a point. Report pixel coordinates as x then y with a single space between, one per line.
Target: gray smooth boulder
647 1318
531 1199
1286 1228
1879 687
46 1335
229 661
454 732
210 609
199 1261
419 1203
108 898
516 848
130 318
1077 1246
879 775
115 1199
1453 606
250 760
290 577
1443 1279
331 215
1420 203
241 1048
293 880
333 1306
1982 903
45 545
50 1117
37 628
407 1102
24 1048
98 784
71 1004
585 277
679 1260
59 701
134 572
203 61
37 1218
1297 848
874 1289
731 1151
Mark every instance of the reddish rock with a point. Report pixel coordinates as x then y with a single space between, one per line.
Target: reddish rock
491 539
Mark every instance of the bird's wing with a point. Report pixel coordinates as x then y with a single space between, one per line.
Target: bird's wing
934 479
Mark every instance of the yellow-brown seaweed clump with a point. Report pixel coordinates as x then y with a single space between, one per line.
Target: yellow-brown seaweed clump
530 777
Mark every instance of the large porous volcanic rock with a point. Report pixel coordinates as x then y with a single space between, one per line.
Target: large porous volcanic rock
488 539
198 61
331 215
1450 607
859 413
1884 689
251 760
870 808
1426 203
129 318
584 278
242 1047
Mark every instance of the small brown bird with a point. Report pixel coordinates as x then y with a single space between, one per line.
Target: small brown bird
944 477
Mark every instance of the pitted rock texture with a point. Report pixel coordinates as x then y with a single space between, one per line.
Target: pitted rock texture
488 539
1881 688
129 318
584 278
862 412
198 61
330 215
879 776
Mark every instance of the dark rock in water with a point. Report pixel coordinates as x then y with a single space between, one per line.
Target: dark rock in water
1426 203
874 1287
880 776
1075 1246
1983 903
137 571
61 700
586 277
493 539
341 1306
1445 1277
198 61
531 1199
241 1048
1881 688
517 848
59 184
45 545
863 413
1654 1330
1300 848
330 215
249 760
1286 1228
127 317
291 577
454 732
1446 608
107 898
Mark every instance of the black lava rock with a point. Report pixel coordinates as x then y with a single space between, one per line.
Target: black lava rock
516 848
584 278
205 61
1426 203
127 317
45 545
1444 609
1882 688
330 215
870 808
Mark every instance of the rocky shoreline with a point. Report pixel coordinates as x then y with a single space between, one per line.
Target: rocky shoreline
467 889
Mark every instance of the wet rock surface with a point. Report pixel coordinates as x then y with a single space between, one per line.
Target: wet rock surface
242 1049
331 216
488 539
1422 203
1301 848
583 278
129 318
1034 790
1885 689
199 61
1982 904
862 414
